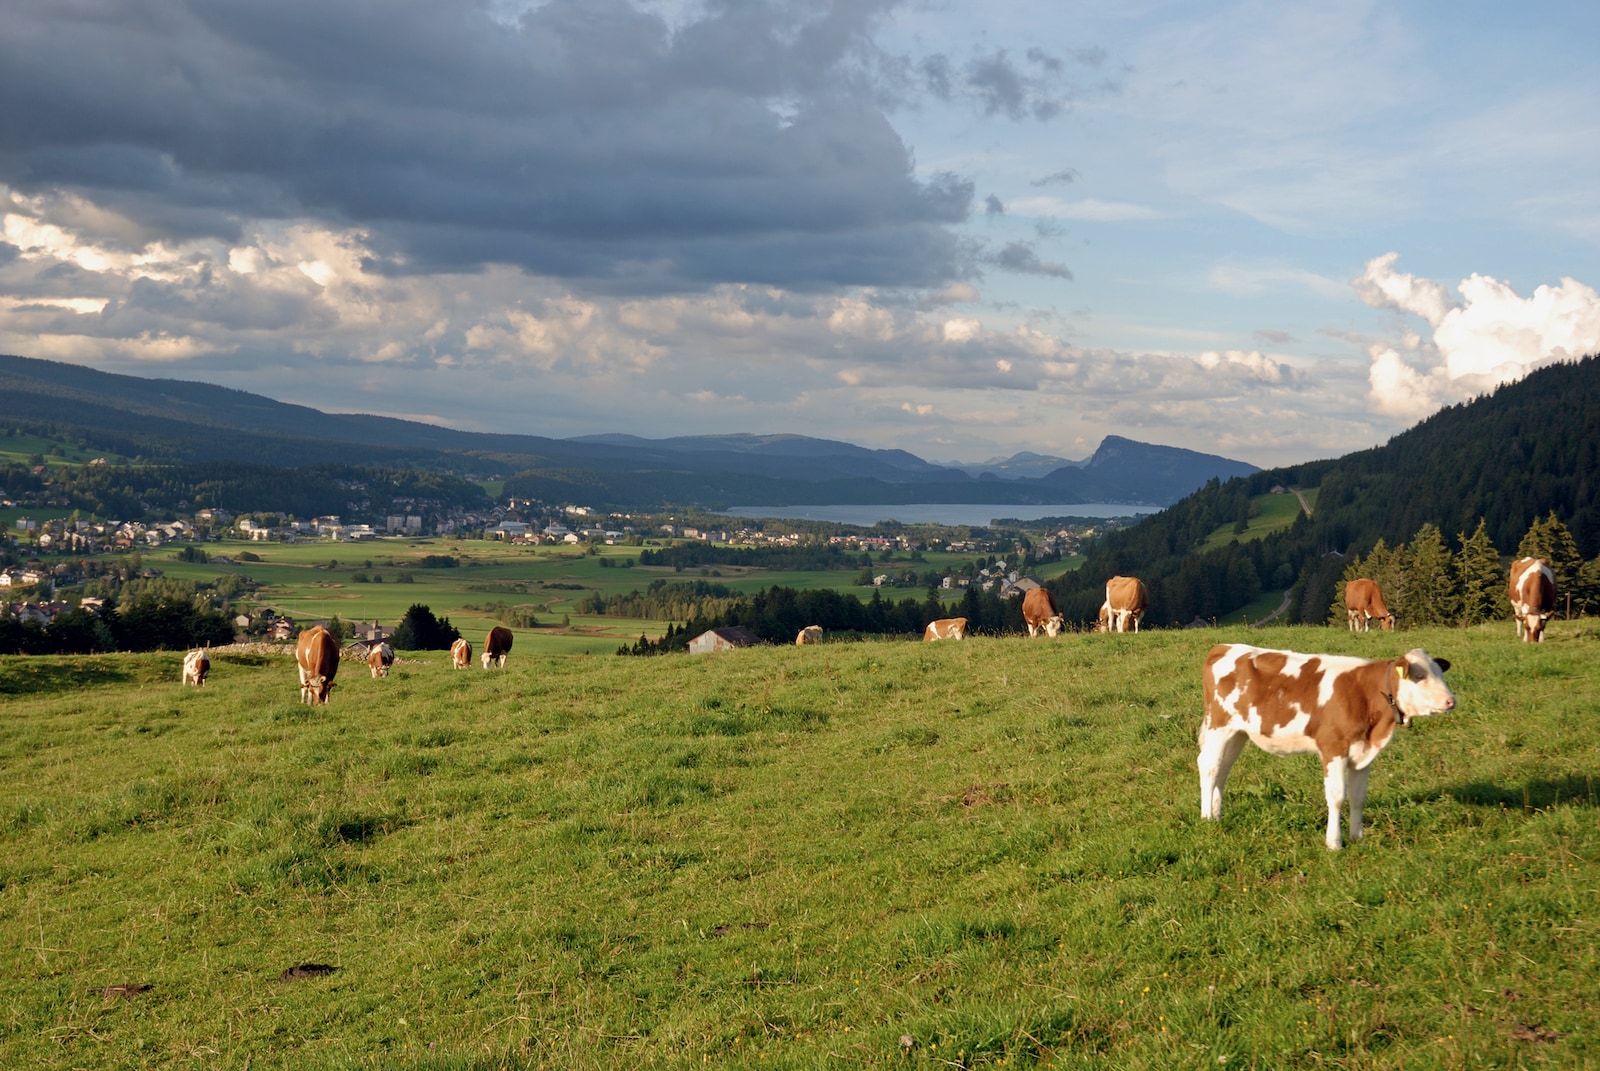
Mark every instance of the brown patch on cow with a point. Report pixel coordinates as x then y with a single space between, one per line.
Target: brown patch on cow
306 970
125 991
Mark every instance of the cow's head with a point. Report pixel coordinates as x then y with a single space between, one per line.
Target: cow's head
1054 625
1533 623
1419 687
1386 623
1104 624
317 689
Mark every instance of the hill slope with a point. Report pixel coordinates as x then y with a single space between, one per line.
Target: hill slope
1527 449
178 421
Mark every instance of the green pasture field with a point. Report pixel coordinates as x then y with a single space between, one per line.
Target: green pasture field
9 515
893 854
1256 610
1277 513
317 580
17 449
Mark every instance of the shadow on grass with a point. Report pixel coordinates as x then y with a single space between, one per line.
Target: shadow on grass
34 676
1578 790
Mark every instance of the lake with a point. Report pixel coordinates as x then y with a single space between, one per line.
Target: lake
951 513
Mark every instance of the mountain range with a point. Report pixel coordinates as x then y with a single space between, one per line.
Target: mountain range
169 420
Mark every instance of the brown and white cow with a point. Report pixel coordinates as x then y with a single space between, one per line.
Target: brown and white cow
379 659
1126 602
1039 613
317 653
1363 601
196 664
946 628
461 653
496 646
1343 709
809 635
1533 597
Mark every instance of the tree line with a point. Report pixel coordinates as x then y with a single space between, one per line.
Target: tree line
1425 583
778 613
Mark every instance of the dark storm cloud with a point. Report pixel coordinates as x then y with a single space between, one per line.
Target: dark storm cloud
993 206
590 140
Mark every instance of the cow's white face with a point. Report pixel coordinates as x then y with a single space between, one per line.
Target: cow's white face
1052 627
1419 687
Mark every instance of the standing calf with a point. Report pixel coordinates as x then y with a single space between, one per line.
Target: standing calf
1343 709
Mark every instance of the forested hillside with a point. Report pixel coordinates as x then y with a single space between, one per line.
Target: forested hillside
1525 451
132 492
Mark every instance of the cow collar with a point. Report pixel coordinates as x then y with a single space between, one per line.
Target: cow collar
1399 715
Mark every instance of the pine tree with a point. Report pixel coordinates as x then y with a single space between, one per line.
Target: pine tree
1430 586
1586 595
1535 542
1565 561
1480 581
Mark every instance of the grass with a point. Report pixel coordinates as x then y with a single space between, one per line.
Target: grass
974 854
317 580
1277 512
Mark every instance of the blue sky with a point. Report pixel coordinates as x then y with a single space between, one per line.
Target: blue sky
1273 231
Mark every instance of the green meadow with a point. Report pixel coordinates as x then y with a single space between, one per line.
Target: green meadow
893 854
1275 513
319 580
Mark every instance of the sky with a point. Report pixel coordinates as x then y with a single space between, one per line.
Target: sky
1275 230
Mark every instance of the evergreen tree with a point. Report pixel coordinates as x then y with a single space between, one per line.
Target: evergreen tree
1551 540
1586 594
419 630
1480 581
1429 584
1565 561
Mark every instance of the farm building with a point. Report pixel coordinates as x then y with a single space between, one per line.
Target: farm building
723 639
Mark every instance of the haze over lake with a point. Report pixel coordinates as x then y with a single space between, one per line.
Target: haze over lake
948 513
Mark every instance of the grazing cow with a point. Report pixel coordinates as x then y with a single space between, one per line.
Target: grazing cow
946 628
1040 613
196 664
809 635
317 652
379 659
1126 600
461 654
1343 709
1363 601
1533 597
496 646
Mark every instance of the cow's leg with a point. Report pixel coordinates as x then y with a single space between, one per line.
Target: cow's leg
1358 797
1333 783
1219 749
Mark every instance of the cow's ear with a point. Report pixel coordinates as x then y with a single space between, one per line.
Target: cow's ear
1442 663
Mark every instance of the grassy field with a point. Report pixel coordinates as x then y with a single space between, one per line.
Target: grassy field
1277 513
318 580
979 854
17 449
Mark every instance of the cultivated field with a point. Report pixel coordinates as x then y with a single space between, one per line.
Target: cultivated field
319 580
973 854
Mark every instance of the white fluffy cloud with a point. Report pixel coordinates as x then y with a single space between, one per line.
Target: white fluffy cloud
1490 335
